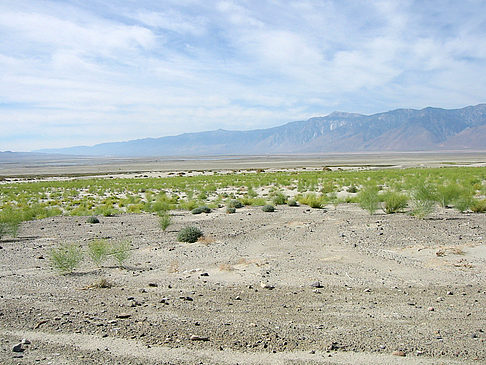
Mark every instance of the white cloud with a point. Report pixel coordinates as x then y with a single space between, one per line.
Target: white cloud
91 72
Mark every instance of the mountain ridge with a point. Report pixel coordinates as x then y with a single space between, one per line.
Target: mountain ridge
398 130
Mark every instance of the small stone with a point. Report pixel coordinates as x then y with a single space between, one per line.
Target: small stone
189 299
153 285
123 315
26 341
198 338
18 348
398 353
204 274
450 293
40 258
316 284
431 309
266 286
367 290
238 298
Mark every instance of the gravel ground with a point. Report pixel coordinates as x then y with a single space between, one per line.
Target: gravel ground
297 286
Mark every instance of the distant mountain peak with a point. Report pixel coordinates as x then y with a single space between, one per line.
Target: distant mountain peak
397 130
338 114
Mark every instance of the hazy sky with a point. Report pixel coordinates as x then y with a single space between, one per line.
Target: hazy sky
80 72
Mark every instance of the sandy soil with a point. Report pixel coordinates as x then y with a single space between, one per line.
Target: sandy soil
393 290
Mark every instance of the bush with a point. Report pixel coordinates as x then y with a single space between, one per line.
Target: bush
202 209
352 189
478 206
230 210
447 194
279 199
368 198
268 208
92 220
234 203
189 234
10 221
394 202
121 251
66 258
165 221
292 203
98 250
463 202
312 200
423 200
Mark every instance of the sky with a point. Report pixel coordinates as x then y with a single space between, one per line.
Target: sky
81 72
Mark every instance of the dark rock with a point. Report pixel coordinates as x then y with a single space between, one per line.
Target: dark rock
18 348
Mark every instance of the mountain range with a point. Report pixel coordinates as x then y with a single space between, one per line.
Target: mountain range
429 129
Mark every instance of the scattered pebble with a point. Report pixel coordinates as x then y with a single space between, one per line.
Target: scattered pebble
199 338
123 315
18 348
398 353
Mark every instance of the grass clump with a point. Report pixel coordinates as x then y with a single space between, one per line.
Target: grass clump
292 203
423 200
368 199
394 202
268 208
279 198
478 206
463 202
447 194
313 200
66 258
92 220
10 222
165 221
121 251
98 251
235 203
189 234
202 209
230 210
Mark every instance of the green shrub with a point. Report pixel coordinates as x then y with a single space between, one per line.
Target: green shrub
165 221
98 250
230 210
423 200
279 198
10 220
234 203
121 251
202 209
313 200
394 202
478 206
292 203
447 194
352 189
368 198
92 220
66 258
463 202
268 208
189 234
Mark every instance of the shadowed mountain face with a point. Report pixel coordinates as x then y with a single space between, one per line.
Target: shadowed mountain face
398 130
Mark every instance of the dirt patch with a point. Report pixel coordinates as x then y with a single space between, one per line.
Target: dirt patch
247 293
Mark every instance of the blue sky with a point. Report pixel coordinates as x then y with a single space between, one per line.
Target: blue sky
80 72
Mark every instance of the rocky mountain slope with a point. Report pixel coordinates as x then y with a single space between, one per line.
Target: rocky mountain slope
398 130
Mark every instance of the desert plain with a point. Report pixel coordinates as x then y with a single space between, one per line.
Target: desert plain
294 286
